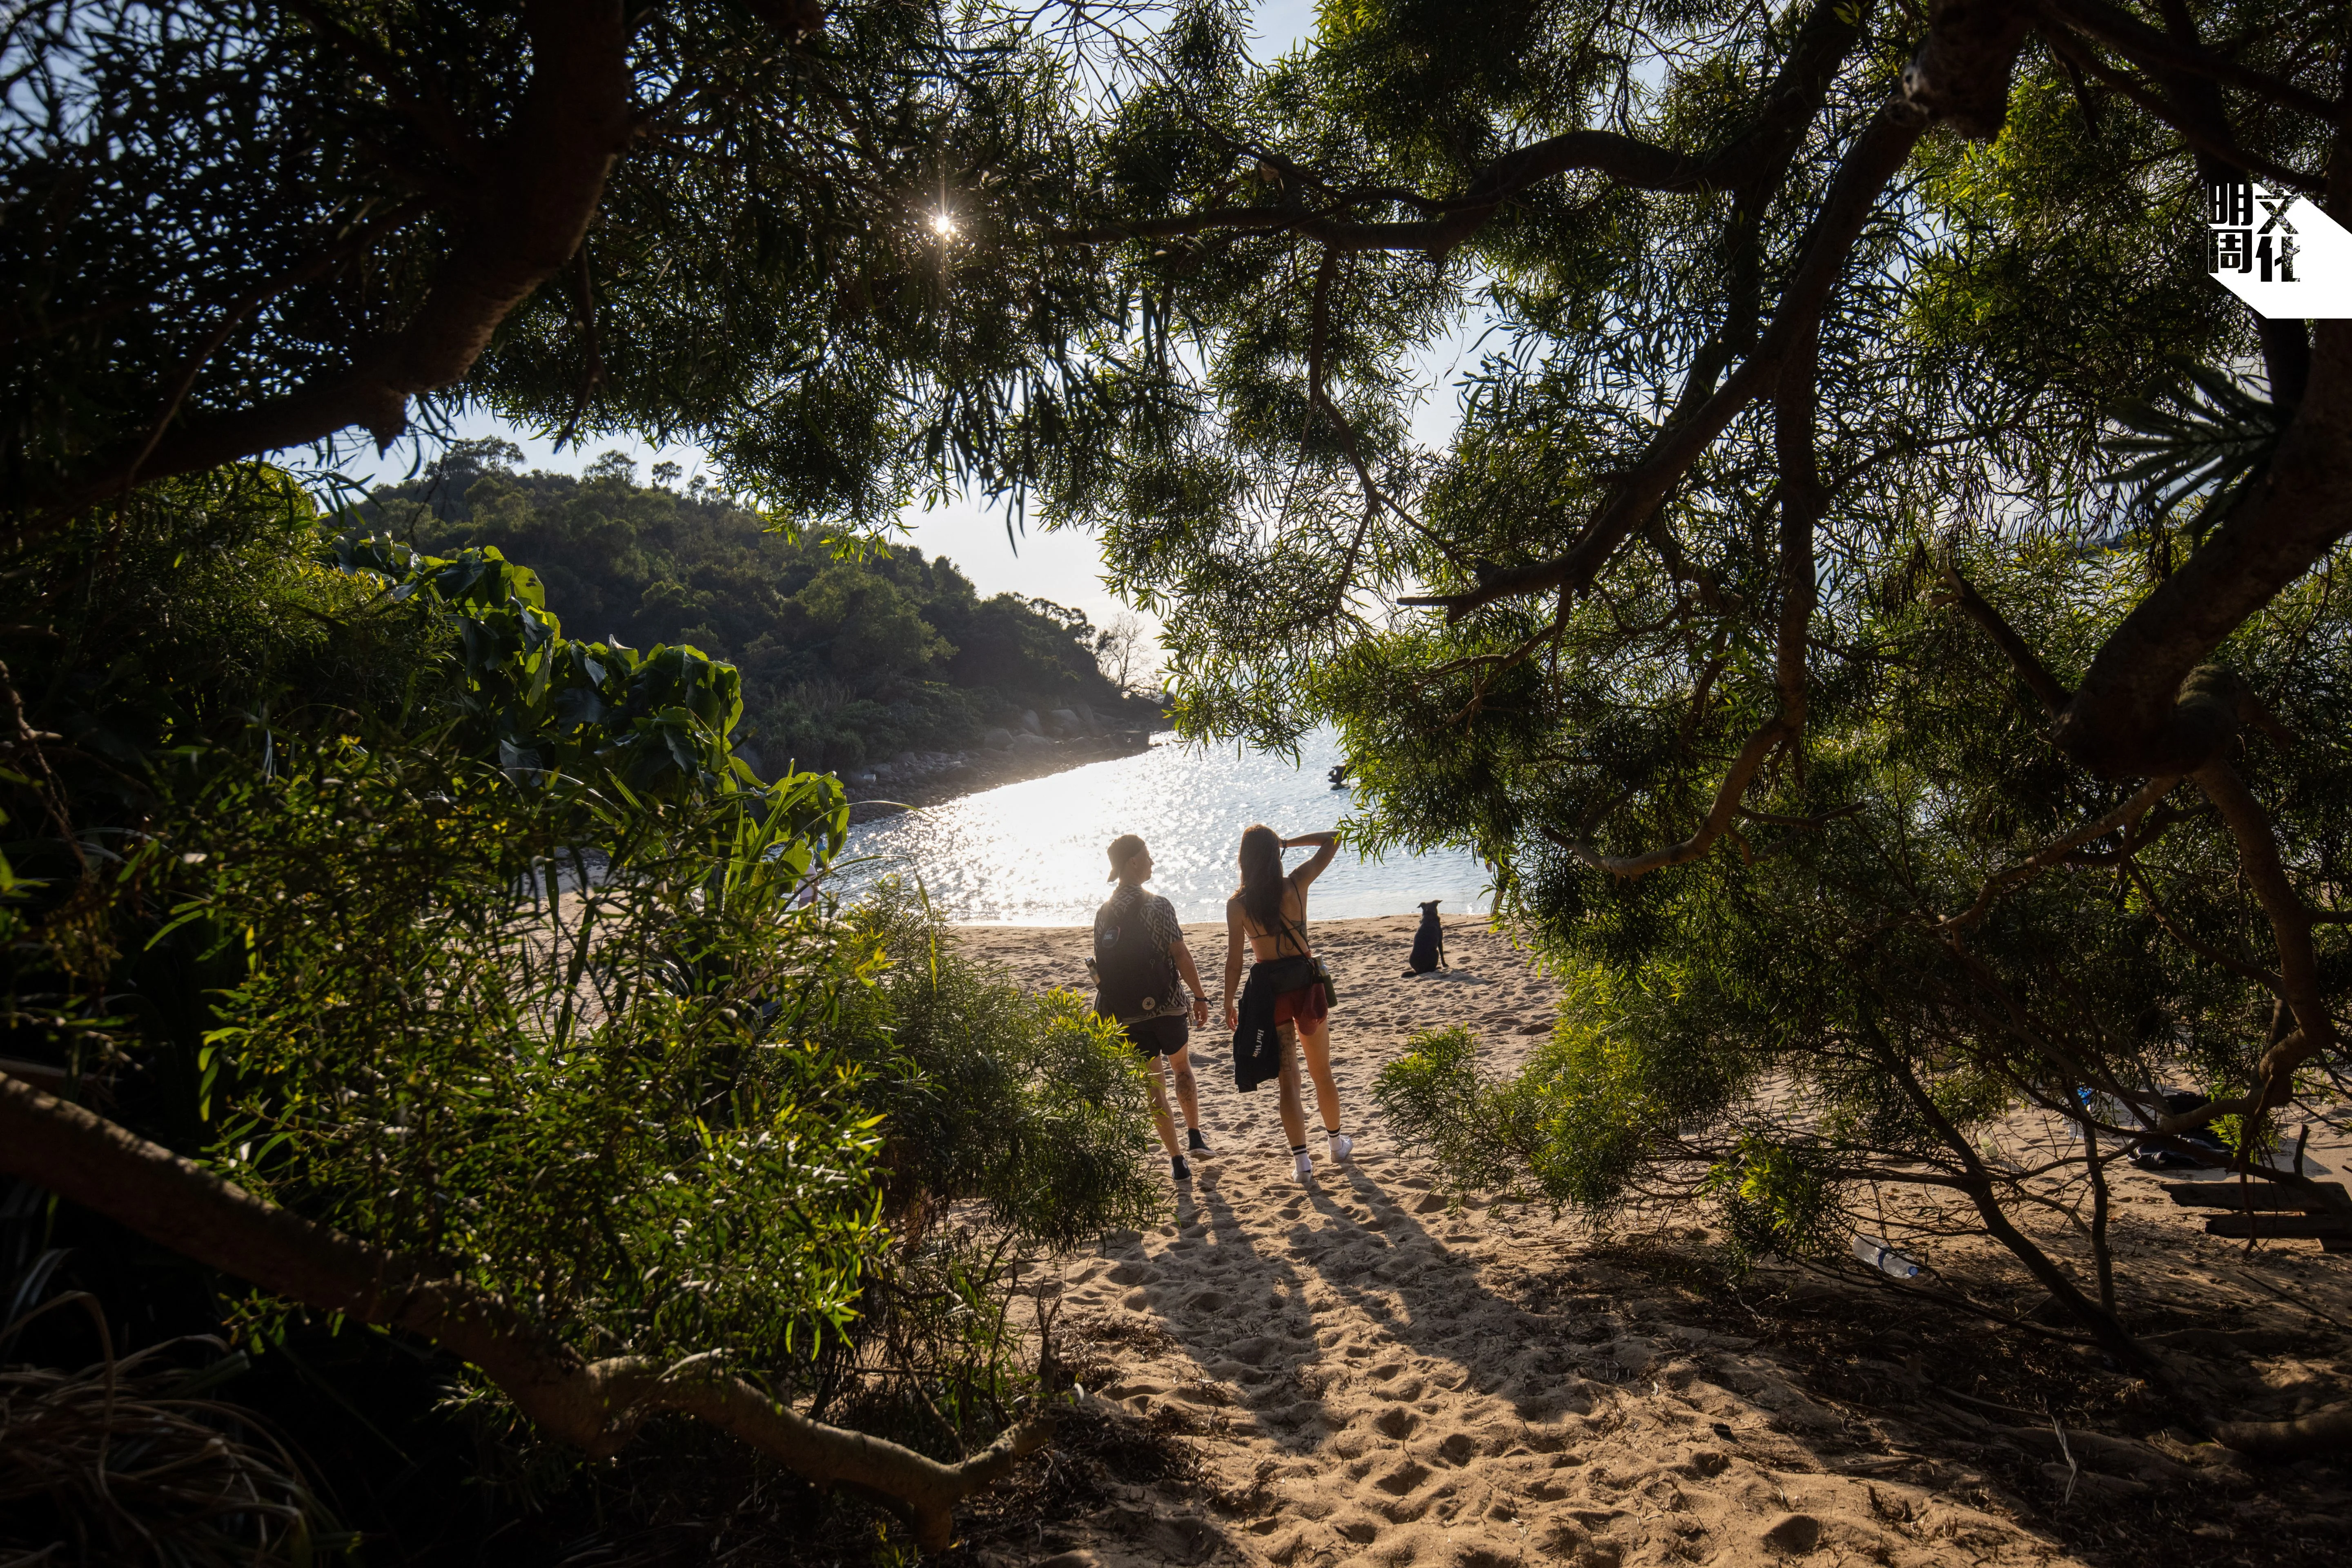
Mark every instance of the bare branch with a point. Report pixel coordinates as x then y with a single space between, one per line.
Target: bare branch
1980 1188
1962 70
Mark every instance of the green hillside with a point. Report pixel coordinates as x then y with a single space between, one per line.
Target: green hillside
845 662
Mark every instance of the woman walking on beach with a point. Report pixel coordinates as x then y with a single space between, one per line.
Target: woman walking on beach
1287 998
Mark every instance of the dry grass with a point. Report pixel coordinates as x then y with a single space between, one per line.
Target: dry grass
126 1461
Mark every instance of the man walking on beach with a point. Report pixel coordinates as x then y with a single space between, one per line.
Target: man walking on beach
1139 953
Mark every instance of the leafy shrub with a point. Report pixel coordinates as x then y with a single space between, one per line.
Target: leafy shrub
1435 1100
474 942
1028 1102
1591 1105
660 720
607 1095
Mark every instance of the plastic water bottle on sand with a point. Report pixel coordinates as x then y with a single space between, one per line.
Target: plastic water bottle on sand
1884 1258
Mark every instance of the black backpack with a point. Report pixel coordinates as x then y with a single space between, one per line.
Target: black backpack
1135 976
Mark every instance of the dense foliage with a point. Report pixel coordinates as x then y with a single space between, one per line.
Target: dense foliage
365 884
1924 766
845 657
335 862
296 219
1889 732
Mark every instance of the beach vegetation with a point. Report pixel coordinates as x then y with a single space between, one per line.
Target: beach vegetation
440 1006
443 974
1878 608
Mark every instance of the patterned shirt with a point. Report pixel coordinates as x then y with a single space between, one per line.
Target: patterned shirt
1159 914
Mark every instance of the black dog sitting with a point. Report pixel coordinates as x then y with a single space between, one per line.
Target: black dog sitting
1428 944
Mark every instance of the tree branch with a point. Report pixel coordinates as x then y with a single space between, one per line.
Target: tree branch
2209 140
2179 933
2050 853
1877 155
239 309
1628 162
88 1160
2131 715
1828 35
1776 819
1962 69
591 369
2022 657
541 185
1803 501
1767 737
2146 48
2290 922
1979 1187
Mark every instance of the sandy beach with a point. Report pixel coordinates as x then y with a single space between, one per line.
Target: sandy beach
1357 1372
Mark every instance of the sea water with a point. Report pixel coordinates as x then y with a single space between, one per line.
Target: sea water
1035 853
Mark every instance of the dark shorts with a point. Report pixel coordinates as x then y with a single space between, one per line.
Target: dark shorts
1159 1037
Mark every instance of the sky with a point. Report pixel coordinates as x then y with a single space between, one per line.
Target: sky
1066 566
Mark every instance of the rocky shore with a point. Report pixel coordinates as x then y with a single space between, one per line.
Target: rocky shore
1030 746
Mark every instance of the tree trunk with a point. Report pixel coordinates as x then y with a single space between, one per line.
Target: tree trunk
596 1406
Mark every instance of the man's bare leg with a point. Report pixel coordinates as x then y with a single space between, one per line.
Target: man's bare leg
1151 1075
1188 1093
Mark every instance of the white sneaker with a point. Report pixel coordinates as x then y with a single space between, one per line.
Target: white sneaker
1341 1145
1302 1166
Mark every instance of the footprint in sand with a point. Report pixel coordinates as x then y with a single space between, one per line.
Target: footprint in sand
1371 1377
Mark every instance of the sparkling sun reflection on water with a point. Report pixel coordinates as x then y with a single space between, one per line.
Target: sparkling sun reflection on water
1033 853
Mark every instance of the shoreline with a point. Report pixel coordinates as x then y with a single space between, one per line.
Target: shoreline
938 777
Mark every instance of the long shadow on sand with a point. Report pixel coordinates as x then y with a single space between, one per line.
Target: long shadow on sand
1277 1335
1430 1301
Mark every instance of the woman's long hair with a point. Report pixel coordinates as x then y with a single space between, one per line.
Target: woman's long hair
1261 882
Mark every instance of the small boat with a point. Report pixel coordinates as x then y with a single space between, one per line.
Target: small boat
1339 775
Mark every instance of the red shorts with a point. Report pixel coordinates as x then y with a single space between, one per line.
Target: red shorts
1305 1006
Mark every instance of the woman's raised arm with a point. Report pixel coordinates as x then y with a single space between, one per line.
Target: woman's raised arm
1327 846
